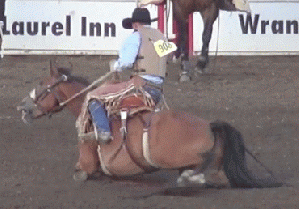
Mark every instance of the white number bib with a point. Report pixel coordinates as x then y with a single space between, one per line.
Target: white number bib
163 47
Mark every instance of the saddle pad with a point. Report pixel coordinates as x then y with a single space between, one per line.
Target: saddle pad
111 96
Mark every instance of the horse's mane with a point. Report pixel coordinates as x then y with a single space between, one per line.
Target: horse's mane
78 79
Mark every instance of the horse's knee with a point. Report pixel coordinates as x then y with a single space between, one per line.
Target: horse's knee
88 159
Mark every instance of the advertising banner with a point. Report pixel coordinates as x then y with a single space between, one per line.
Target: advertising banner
66 27
272 28
95 27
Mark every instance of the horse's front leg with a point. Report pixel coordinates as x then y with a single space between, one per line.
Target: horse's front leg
209 16
88 162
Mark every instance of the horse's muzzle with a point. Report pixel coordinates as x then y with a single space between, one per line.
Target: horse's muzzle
29 110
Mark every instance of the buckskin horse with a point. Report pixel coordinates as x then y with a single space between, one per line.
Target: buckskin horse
168 139
209 10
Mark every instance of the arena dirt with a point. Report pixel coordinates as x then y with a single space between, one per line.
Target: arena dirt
257 94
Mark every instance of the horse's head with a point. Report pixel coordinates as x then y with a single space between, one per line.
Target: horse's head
46 98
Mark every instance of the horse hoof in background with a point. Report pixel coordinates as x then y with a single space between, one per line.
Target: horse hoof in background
185 74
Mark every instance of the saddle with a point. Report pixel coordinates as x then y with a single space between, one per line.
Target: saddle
127 96
122 100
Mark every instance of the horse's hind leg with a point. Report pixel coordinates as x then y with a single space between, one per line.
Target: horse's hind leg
194 174
181 17
210 172
88 160
215 174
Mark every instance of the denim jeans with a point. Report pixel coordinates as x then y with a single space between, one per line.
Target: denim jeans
155 93
99 116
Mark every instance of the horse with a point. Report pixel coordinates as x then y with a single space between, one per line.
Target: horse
209 10
166 139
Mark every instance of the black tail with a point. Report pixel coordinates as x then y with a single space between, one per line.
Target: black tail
234 157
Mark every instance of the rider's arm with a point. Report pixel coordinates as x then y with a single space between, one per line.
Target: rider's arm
128 52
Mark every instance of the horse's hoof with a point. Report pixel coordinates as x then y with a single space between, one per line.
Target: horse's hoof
199 71
189 178
181 182
185 66
202 62
184 77
80 176
77 166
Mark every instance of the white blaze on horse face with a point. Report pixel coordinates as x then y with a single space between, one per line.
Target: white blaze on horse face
32 94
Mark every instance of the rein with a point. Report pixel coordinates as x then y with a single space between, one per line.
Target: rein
62 104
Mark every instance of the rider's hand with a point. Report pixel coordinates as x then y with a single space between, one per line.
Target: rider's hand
114 66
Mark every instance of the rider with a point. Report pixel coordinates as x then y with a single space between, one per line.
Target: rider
137 52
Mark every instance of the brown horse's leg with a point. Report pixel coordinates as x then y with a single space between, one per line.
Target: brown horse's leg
209 15
215 174
181 14
88 159
209 172
184 51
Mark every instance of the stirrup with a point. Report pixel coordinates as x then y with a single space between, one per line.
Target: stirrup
103 137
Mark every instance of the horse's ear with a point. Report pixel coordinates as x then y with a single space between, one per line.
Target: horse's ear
65 70
56 71
53 69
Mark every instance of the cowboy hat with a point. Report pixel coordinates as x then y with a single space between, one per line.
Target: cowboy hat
140 15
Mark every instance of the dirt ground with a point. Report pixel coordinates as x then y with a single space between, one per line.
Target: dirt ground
258 95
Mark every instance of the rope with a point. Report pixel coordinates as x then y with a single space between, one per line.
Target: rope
167 17
9 118
102 78
217 43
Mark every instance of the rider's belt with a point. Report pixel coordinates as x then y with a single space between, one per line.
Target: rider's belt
139 70
154 85
139 57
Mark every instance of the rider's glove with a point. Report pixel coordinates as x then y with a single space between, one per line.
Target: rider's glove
115 66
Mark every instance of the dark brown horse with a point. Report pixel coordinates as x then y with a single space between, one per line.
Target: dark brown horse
167 139
209 10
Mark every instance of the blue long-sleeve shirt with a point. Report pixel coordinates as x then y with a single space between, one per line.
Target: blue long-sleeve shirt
129 51
128 54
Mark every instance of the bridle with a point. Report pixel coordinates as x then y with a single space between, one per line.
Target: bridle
38 98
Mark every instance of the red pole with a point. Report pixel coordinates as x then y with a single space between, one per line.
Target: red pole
161 17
